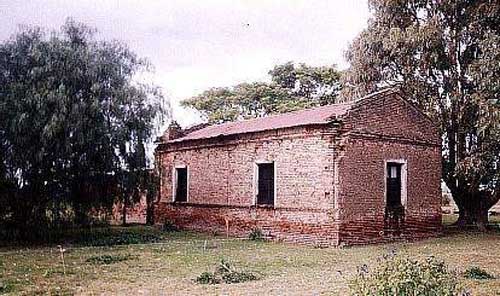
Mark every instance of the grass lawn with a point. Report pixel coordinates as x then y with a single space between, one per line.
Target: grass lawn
168 265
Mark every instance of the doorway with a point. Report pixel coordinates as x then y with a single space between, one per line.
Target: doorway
265 183
393 185
394 209
181 184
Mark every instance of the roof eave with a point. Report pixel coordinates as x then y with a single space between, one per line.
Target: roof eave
331 120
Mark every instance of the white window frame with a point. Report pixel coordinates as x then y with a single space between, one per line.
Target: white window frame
256 181
174 182
404 180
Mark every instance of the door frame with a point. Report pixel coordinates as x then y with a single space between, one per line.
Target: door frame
175 179
256 180
404 180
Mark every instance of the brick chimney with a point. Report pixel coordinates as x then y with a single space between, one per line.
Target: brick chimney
173 132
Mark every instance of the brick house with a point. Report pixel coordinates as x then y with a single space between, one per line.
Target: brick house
354 173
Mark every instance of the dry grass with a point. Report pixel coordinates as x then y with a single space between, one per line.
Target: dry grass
169 266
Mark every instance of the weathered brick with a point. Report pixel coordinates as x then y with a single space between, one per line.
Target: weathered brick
330 178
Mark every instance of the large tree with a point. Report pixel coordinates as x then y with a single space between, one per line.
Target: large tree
445 55
292 87
74 124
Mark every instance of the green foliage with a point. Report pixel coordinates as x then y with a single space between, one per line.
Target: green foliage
235 277
208 278
6 287
477 273
168 226
74 125
292 88
443 55
317 84
256 235
399 275
108 259
225 273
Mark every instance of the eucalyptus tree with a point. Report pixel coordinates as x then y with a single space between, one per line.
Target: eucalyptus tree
74 122
445 55
292 87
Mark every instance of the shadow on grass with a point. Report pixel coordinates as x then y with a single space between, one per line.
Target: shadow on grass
97 236
142 234
449 229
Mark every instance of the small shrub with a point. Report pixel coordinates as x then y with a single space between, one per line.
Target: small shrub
169 227
207 278
476 273
225 273
235 277
256 235
108 259
398 275
6 287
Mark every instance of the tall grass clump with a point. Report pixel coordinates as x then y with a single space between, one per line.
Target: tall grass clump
477 273
225 273
256 235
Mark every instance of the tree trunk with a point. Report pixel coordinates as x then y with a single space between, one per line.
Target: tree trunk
124 212
81 215
149 210
472 216
473 209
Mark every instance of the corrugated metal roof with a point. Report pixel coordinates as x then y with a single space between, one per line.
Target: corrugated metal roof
318 115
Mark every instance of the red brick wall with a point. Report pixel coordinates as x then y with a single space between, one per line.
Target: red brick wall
361 196
136 213
361 171
224 174
391 116
311 162
310 226
221 175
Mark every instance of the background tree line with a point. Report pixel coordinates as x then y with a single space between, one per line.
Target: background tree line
292 87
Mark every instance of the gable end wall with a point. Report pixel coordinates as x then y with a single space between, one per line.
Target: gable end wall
386 129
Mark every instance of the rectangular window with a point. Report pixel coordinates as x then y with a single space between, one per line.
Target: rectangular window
265 183
181 184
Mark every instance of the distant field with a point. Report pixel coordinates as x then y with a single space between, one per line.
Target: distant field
168 264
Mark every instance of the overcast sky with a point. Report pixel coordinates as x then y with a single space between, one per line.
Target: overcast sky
195 45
